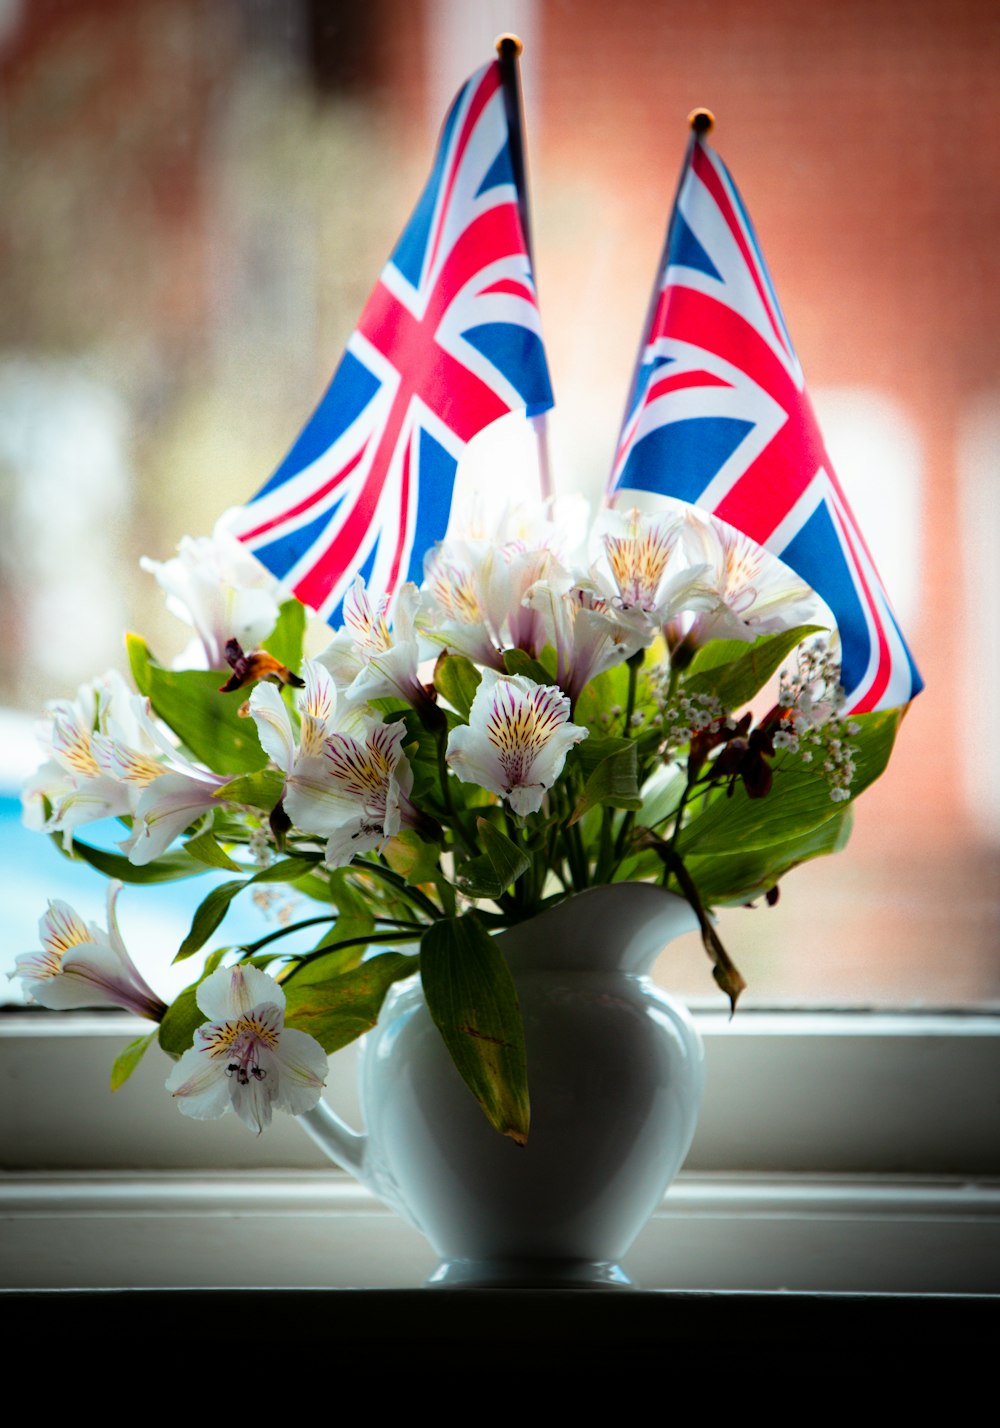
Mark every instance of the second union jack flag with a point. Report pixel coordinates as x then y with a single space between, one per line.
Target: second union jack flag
719 417
449 341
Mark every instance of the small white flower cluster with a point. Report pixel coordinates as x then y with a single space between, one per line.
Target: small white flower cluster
685 717
815 724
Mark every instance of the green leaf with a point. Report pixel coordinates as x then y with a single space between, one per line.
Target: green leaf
208 723
661 794
456 679
207 849
286 639
256 790
615 781
414 860
287 870
471 998
314 885
590 752
605 692
140 662
169 868
337 1011
799 799
208 914
738 877
331 964
518 662
501 865
509 861
126 1061
181 1021
735 681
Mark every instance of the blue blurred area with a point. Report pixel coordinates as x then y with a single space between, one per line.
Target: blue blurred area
153 919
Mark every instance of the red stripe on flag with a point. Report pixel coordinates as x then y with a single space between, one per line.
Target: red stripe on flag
306 502
679 380
404 512
489 86
706 171
675 382
341 554
511 286
765 492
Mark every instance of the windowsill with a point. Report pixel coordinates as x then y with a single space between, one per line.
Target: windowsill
845 1152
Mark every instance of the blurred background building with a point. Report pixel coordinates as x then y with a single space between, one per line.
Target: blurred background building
199 195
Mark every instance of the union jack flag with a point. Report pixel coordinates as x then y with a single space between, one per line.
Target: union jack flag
719 416
449 341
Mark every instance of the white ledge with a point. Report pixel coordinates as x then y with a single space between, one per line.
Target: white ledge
831 1235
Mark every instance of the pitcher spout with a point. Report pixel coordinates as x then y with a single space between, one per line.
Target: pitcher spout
621 926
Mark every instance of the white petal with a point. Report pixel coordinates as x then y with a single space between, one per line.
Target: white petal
274 727
232 992
303 1073
200 1086
350 840
167 807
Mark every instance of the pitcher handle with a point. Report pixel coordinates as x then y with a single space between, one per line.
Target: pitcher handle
344 1146
349 1149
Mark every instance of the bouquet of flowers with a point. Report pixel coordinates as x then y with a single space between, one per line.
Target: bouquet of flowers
548 712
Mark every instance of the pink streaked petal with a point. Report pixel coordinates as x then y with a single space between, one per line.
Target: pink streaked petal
200 1088
232 992
61 928
303 1073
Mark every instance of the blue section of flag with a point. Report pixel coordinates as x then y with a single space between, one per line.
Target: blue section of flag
351 389
438 468
642 379
517 352
692 451
817 548
280 555
408 254
501 171
687 252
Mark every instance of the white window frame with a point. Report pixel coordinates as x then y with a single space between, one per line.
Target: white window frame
837 1151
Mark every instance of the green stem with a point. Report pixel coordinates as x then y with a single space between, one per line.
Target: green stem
449 802
416 928
633 681
405 891
371 939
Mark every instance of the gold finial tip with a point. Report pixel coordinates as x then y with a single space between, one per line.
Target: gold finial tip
514 40
701 120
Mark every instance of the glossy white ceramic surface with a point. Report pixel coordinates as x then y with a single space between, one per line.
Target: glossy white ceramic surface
615 1073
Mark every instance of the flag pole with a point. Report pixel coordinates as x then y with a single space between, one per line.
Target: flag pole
509 48
700 122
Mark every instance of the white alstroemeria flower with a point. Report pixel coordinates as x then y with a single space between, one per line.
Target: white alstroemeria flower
584 627
651 588
67 736
476 582
456 613
104 751
370 780
245 1057
81 965
370 661
516 741
753 592
166 808
347 778
152 780
215 585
